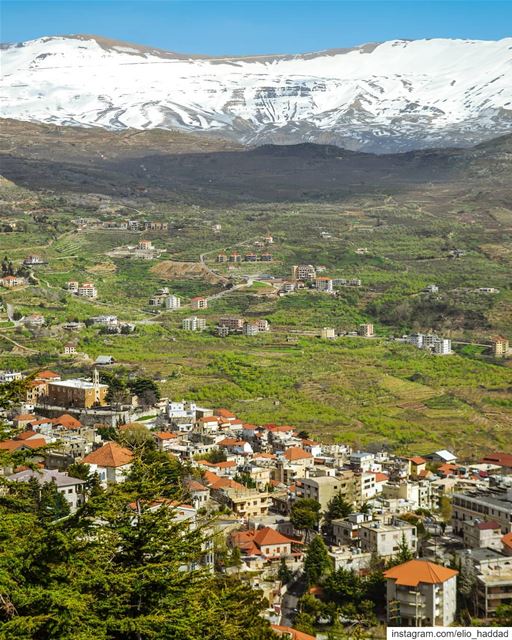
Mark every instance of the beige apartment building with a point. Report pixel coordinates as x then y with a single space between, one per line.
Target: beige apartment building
324 488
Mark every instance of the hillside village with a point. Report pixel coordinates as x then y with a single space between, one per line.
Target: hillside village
279 499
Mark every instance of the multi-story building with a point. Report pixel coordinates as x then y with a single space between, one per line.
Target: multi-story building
10 376
419 494
345 531
10 282
71 488
172 302
199 303
193 324
493 584
232 323
500 346
87 290
324 488
323 283
385 538
303 272
421 594
443 347
251 329
77 393
263 325
366 330
362 460
493 505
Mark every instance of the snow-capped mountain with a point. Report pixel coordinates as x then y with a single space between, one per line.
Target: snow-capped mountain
397 95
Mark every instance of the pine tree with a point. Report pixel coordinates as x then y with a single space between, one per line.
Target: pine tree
124 567
317 562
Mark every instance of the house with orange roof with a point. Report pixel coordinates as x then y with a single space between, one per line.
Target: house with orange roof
415 465
199 493
267 544
164 439
421 594
198 303
111 462
506 541
23 419
235 446
225 415
11 282
247 503
295 462
288 633
18 444
67 422
501 459
47 375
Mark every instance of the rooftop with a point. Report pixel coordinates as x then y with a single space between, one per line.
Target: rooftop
77 383
110 455
46 475
414 572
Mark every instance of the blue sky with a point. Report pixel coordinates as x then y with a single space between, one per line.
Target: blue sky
266 26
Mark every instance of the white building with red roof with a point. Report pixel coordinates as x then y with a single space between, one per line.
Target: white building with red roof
111 462
421 594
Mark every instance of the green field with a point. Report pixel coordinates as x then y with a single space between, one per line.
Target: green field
352 390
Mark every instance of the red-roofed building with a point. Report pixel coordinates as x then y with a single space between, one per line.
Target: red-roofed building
111 462
47 375
234 445
288 633
67 421
265 542
199 493
164 439
23 419
225 415
421 594
416 465
19 444
506 541
198 303
503 460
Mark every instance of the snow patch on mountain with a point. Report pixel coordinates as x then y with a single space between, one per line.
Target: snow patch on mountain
392 96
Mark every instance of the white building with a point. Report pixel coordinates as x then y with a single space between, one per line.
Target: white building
10 376
443 347
421 594
193 324
111 462
71 488
250 329
87 290
172 302
385 538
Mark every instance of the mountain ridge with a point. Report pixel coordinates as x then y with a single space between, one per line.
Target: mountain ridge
176 166
385 97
